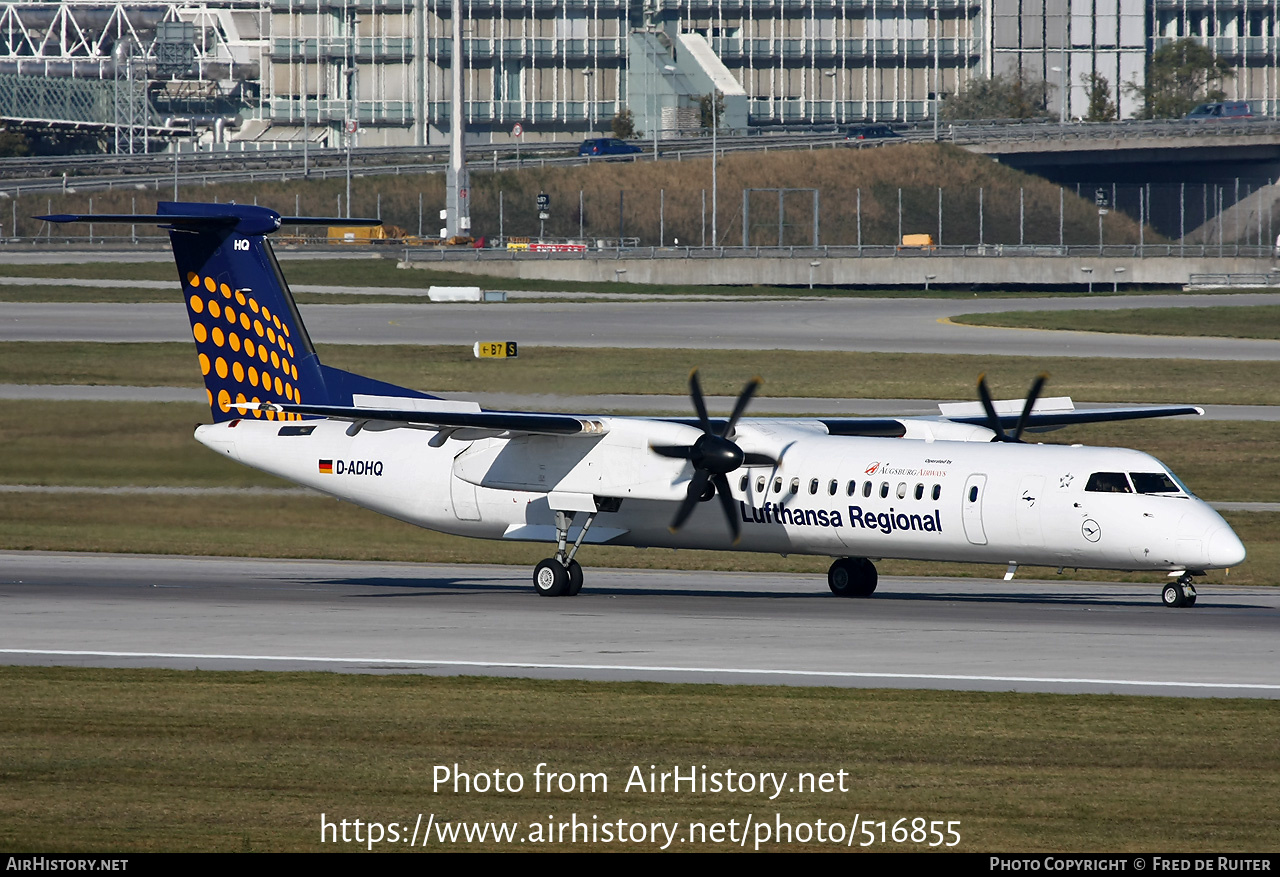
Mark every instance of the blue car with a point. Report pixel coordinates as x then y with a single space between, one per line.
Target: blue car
607 146
1235 109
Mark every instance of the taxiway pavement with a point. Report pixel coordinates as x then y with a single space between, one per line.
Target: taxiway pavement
870 325
716 627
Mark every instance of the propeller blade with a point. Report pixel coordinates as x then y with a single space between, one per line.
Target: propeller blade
680 452
1032 396
993 419
697 484
695 393
726 503
743 398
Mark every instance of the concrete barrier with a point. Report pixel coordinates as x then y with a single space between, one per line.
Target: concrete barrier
454 293
905 271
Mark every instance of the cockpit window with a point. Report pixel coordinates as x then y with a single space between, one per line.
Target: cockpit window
1108 482
1153 482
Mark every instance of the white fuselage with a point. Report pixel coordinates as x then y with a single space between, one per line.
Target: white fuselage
836 496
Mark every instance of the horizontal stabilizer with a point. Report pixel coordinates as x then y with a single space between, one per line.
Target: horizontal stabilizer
326 220
144 218
249 220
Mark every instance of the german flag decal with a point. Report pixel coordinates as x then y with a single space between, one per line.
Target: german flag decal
326 467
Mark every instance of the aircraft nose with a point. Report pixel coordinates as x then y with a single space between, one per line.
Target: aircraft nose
1225 548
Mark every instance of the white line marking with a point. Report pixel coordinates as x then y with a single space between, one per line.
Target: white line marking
738 671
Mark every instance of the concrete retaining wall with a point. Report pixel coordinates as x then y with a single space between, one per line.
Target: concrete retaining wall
903 270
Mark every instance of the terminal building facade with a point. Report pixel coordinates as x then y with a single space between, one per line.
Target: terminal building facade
317 69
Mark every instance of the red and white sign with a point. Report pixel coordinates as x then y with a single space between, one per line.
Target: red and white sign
518 130
353 126
557 248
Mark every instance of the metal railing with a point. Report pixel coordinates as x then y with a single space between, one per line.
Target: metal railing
868 251
244 161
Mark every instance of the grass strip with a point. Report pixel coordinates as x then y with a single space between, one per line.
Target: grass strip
579 371
301 527
150 443
155 760
1262 321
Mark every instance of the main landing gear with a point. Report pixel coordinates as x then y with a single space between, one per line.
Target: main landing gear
852 577
1180 593
561 576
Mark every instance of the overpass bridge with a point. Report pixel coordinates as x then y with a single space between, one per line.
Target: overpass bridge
1176 175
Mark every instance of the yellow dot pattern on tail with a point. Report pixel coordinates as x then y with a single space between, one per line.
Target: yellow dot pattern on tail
241 366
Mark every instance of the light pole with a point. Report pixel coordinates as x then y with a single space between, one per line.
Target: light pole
1115 280
812 265
1062 118
591 107
1088 272
831 75
715 124
652 58
306 125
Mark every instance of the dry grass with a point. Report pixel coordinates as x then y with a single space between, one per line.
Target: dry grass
1262 321
839 175
291 526
574 371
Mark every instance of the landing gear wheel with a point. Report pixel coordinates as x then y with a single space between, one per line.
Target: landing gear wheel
1173 596
1179 594
575 579
550 578
852 577
840 578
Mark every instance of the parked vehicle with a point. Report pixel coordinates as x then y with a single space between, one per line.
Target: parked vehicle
1233 109
607 146
869 132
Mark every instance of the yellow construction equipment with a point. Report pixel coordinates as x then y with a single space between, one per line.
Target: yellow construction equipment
372 234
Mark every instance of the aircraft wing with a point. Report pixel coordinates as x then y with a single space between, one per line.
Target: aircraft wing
533 423
500 421
876 427
1055 419
897 427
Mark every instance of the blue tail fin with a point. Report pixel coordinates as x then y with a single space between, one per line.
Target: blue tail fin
251 342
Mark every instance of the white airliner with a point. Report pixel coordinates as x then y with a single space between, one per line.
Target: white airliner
956 487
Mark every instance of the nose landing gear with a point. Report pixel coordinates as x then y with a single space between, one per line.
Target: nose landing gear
1178 594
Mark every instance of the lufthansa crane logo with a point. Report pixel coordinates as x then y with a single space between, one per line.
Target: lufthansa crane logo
1090 530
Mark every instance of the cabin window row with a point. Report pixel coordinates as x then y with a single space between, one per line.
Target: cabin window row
851 488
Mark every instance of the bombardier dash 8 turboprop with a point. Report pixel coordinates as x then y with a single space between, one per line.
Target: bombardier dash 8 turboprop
957 487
